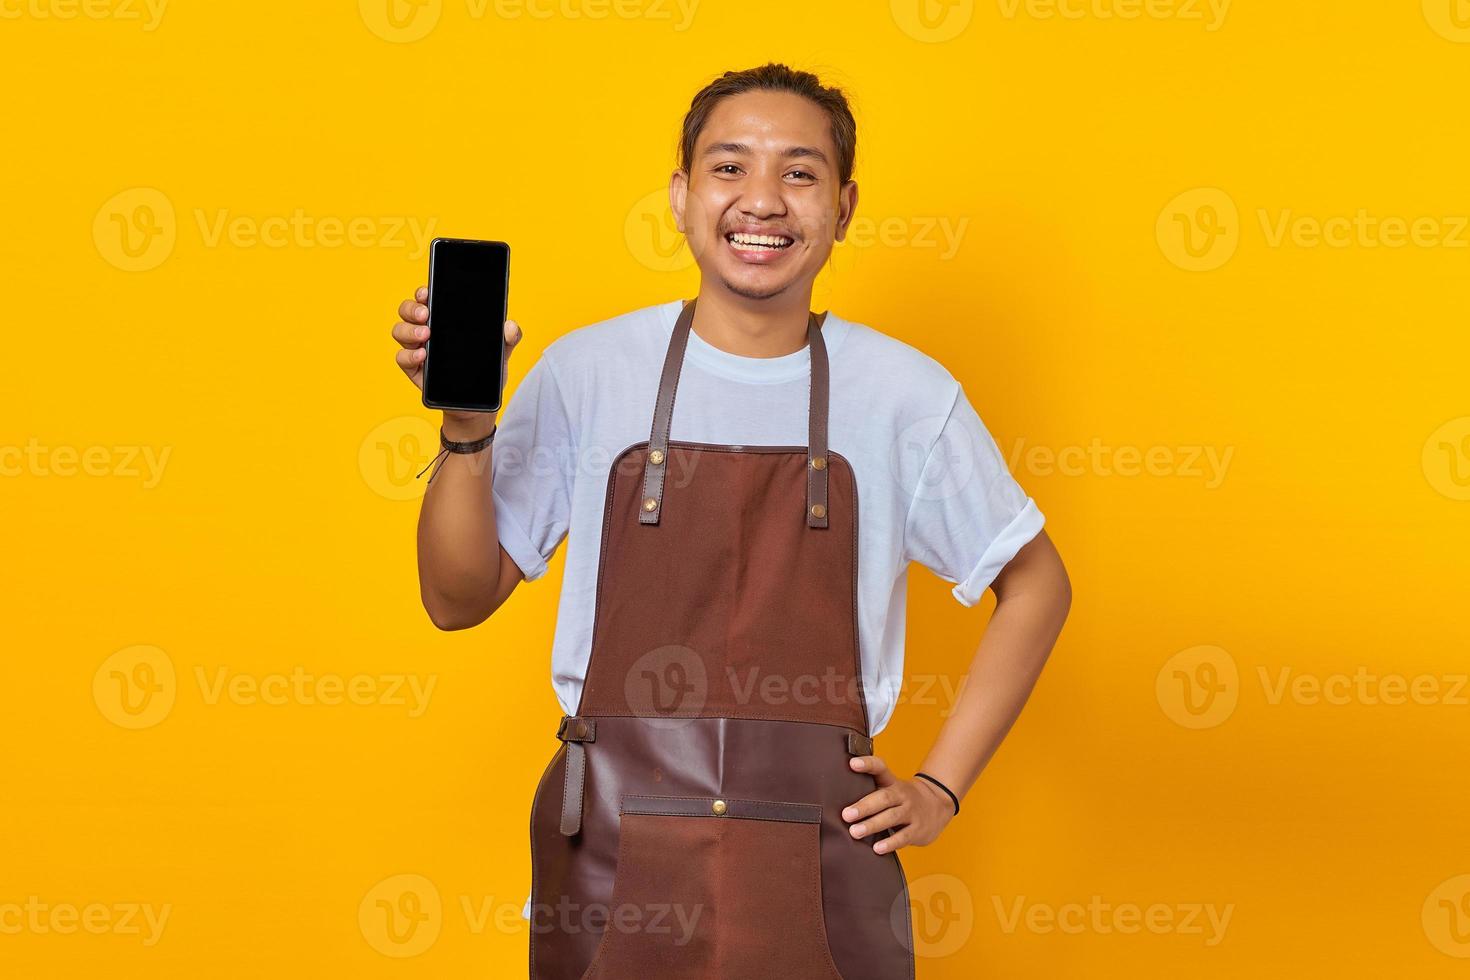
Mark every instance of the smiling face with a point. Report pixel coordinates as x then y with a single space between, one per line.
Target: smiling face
763 202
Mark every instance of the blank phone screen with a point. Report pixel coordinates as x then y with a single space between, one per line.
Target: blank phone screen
467 304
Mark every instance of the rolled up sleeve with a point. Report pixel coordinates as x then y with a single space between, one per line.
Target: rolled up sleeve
968 517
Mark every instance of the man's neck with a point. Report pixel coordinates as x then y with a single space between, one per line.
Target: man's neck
752 328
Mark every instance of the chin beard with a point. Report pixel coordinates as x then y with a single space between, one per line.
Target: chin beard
746 292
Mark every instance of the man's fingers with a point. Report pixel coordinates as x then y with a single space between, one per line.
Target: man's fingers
413 311
891 817
893 842
878 800
421 294
512 334
410 335
409 360
874 765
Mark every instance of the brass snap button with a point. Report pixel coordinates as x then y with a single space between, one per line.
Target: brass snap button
579 729
650 504
819 463
818 510
719 806
656 457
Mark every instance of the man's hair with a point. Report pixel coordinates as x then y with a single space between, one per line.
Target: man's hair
773 78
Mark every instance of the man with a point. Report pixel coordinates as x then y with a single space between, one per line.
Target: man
730 631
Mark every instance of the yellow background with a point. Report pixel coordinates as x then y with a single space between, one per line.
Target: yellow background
1159 764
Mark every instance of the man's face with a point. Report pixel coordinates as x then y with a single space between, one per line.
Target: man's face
764 165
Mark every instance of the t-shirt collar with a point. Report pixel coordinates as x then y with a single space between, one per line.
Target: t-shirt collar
752 370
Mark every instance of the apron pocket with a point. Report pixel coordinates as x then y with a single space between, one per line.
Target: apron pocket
712 887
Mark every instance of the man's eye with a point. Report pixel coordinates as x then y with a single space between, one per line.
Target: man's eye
726 167
803 174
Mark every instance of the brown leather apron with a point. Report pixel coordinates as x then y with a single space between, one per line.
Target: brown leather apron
689 826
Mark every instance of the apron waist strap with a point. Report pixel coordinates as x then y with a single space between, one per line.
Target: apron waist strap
573 731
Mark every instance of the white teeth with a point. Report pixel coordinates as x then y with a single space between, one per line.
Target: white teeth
769 241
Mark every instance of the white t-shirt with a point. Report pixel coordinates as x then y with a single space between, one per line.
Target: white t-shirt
932 485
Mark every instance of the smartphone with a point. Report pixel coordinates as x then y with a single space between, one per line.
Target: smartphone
469 287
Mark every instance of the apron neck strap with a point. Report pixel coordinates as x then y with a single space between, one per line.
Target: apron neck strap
663 411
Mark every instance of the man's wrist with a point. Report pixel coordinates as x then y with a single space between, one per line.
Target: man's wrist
468 427
939 793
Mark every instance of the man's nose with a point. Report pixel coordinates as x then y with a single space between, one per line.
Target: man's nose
761 194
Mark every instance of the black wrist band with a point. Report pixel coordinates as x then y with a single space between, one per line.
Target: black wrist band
952 798
459 448
467 447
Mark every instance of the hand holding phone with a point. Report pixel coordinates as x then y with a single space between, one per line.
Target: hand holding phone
478 351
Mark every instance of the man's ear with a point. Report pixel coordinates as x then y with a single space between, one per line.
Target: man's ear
847 199
678 190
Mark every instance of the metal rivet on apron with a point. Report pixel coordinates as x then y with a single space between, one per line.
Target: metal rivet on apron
656 457
819 463
818 510
719 807
649 504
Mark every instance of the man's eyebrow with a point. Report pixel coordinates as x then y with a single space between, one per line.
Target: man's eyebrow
791 152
